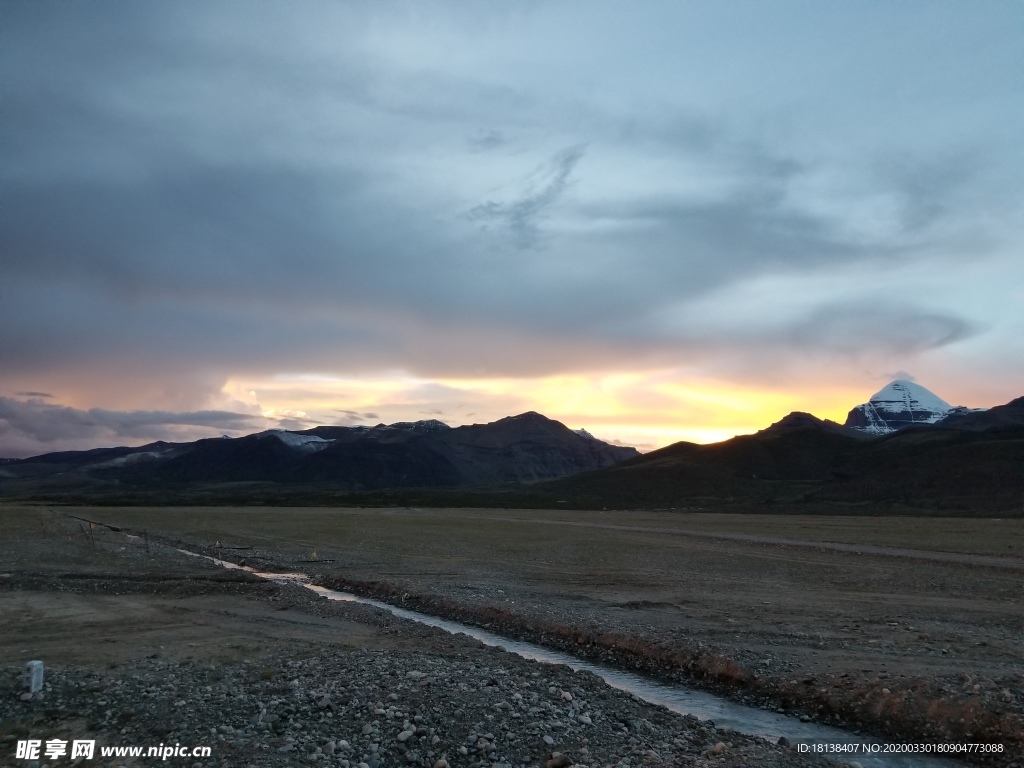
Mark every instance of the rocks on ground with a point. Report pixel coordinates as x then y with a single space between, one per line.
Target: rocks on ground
374 709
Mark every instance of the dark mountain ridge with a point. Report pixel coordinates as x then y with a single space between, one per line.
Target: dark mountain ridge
804 460
517 449
1009 415
968 462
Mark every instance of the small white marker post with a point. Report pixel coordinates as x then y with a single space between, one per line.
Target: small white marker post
34 676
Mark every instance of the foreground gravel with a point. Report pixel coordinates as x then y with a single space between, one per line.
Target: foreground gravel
371 708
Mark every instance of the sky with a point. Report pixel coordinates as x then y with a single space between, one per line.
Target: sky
658 221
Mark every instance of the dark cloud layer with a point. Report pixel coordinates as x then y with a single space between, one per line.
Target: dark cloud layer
863 327
34 424
522 217
192 191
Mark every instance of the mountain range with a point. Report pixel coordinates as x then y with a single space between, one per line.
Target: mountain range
517 449
904 447
969 462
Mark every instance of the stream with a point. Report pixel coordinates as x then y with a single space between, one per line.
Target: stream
673 696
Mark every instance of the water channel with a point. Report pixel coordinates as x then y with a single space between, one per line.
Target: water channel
675 697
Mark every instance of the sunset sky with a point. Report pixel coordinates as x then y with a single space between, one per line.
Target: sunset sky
659 221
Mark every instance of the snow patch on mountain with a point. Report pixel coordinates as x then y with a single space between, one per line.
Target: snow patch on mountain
903 396
584 433
304 443
900 403
135 458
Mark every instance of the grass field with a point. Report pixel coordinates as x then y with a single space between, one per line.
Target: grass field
473 528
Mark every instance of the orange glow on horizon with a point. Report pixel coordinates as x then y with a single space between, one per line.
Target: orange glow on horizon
646 409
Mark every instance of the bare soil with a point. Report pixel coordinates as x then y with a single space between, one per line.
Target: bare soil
900 644
154 648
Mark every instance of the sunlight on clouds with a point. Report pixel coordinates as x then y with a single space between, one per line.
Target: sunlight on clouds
283 413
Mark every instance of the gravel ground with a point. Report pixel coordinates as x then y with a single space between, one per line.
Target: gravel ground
953 709
461 705
154 648
148 646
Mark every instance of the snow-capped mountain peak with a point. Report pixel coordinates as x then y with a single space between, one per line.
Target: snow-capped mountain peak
903 395
898 404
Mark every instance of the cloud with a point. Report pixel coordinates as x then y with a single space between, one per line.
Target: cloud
194 194
685 247
34 394
927 187
275 236
870 328
487 140
354 417
901 374
522 217
33 425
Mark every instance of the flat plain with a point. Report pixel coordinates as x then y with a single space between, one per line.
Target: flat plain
770 604
883 638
